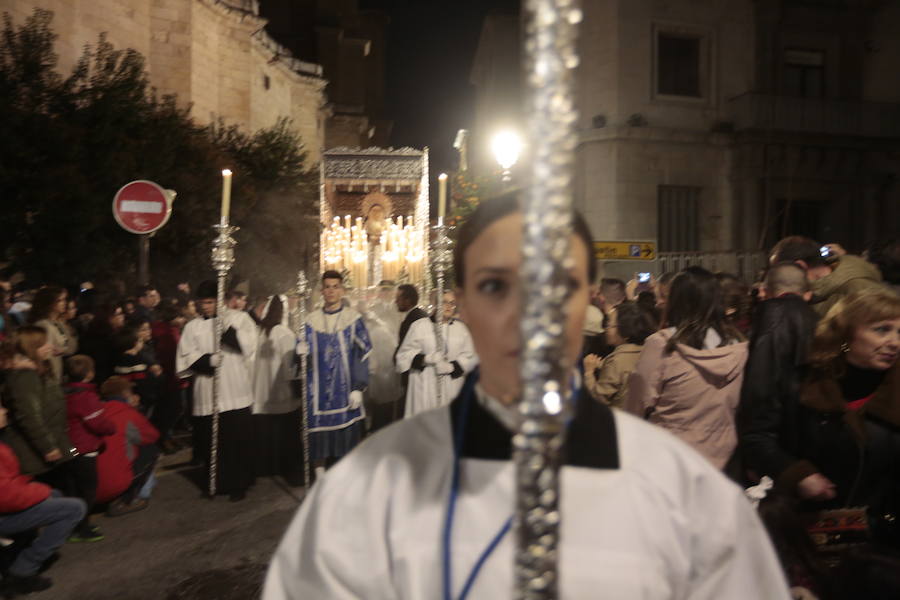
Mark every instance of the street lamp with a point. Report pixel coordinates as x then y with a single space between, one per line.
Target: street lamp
506 145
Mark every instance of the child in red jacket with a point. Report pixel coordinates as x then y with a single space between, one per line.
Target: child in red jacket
126 467
26 505
87 428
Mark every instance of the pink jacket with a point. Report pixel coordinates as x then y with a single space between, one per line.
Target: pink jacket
692 393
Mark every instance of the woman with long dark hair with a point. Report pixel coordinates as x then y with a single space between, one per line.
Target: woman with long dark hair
48 311
98 340
688 378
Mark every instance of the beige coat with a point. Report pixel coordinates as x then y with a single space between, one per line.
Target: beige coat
692 393
610 385
64 341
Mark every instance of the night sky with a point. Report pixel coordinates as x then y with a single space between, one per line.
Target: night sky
431 46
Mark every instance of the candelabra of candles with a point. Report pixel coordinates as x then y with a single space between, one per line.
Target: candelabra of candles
399 249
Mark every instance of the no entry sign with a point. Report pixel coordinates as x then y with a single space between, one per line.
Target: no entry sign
142 207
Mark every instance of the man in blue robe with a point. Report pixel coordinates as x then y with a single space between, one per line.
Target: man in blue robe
338 345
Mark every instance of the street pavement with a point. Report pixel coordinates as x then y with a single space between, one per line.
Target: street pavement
182 547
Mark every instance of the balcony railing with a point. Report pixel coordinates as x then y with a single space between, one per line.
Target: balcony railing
815 115
745 265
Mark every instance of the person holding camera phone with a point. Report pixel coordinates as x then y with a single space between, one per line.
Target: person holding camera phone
832 272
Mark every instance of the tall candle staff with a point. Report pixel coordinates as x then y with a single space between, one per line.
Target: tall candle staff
551 54
441 257
301 292
222 261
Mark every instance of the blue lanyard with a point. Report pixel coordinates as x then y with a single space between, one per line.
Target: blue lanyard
451 508
467 393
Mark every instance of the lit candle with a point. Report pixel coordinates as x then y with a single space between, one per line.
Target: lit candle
226 196
442 195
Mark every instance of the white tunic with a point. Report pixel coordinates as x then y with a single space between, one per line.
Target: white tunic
384 383
273 370
664 526
421 393
196 340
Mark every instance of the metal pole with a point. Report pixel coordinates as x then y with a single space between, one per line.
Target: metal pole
144 259
551 28
222 261
440 260
301 291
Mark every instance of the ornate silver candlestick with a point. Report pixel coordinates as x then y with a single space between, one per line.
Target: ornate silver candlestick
222 261
551 28
301 291
441 256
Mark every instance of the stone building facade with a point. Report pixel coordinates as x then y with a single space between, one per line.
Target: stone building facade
722 125
214 55
350 44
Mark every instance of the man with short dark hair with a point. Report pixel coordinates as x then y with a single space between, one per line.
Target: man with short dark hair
197 357
148 299
780 340
338 346
408 305
612 293
787 278
831 277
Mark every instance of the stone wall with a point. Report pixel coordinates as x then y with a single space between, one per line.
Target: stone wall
213 56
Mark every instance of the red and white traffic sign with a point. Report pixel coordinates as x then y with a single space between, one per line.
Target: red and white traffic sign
142 207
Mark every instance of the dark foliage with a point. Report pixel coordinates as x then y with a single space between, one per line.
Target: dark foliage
70 142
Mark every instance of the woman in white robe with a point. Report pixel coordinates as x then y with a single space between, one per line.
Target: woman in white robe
643 515
276 403
427 364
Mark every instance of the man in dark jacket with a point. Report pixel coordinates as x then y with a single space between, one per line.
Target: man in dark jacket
407 303
783 328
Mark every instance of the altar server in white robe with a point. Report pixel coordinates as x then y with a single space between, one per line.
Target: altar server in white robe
427 364
276 400
196 357
643 515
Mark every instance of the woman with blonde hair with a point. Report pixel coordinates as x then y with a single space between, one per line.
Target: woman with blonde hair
37 429
843 446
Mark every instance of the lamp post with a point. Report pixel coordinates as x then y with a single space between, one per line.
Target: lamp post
506 146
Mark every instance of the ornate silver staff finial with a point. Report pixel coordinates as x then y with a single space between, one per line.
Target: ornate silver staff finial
441 256
301 291
551 29
222 261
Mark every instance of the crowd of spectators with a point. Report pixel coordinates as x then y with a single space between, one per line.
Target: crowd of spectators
90 401
790 385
